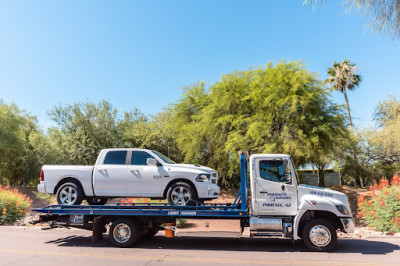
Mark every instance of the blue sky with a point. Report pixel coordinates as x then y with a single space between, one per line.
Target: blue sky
142 53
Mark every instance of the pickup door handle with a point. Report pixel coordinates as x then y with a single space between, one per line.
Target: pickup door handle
135 171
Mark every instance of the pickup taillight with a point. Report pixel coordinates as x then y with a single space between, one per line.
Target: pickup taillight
41 175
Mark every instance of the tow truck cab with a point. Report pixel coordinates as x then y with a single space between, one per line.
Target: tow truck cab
279 203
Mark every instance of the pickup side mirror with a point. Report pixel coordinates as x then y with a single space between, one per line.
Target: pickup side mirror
152 161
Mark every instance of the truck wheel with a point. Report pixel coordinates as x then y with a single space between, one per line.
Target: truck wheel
124 233
69 193
319 235
181 193
96 201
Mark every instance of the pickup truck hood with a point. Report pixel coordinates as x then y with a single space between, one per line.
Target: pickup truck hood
192 167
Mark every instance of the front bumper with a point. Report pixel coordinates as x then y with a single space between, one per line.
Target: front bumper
41 188
207 190
348 225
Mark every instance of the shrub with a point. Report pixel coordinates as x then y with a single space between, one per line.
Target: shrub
380 209
49 198
180 223
13 205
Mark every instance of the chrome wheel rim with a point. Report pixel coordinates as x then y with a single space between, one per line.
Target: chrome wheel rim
68 195
180 195
122 233
320 236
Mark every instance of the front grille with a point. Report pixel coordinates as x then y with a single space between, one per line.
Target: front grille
214 181
214 175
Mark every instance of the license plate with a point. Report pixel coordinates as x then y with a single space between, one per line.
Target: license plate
76 219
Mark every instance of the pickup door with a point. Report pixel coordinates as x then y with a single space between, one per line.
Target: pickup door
110 175
144 180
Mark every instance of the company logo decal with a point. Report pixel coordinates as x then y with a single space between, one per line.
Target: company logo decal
182 213
279 205
276 196
319 193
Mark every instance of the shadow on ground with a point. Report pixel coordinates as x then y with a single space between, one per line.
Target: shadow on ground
362 246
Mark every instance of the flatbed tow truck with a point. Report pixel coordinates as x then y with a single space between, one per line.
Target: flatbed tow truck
279 207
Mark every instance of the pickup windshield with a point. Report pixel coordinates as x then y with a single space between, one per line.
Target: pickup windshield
164 158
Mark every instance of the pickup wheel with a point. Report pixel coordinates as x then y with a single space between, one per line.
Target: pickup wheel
124 233
96 201
319 235
181 193
69 193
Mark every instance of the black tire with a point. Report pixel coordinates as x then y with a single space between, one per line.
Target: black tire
96 201
151 232
126 238
181 193
70 193
325 237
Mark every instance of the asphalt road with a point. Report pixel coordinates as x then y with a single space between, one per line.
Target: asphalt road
32 246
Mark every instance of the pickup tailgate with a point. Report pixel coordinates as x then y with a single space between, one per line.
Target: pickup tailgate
53 174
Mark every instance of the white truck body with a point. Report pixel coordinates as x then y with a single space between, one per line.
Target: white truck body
133 178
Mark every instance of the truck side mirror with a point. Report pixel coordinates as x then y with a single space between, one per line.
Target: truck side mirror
288 176
151 161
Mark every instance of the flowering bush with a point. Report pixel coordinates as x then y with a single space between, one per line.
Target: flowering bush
13 205
380 209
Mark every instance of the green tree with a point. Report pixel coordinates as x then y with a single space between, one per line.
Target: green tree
279 108
84 129
19 164
344 76
384 140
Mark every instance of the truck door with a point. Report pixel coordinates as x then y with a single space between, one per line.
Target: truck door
274 191
144 180
109 176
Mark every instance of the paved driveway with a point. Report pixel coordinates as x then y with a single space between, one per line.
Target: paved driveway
32 246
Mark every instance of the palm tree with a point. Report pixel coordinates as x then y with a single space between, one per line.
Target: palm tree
344 76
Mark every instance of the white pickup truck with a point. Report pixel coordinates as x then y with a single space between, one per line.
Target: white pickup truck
129 173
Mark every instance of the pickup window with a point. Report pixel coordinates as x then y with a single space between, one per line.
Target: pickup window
115 157
140 157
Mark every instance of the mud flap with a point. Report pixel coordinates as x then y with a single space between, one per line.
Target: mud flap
98 229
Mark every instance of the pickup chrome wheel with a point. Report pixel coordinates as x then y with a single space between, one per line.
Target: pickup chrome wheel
69 193
180 193
319 235
124 233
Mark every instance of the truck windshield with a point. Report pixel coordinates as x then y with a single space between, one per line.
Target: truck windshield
164 158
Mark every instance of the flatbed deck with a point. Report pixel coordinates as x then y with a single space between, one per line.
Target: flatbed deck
206 211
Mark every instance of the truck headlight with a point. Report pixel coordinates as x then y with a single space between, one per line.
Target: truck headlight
342 209
203 178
